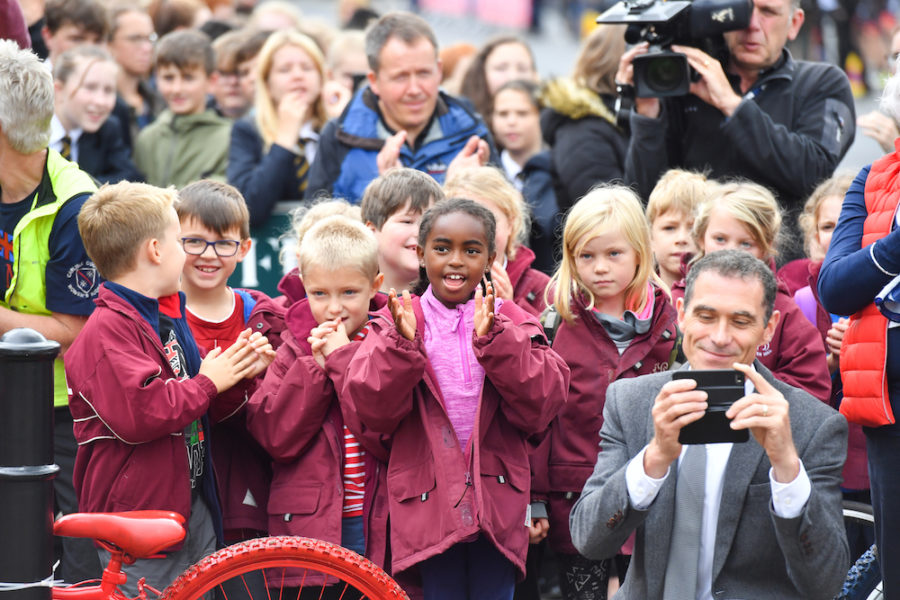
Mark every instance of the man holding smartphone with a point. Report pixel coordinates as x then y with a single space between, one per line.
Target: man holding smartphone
768 516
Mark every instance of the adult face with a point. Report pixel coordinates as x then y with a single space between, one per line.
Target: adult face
758 46
132 44
725 321
508 62
87 98
407 83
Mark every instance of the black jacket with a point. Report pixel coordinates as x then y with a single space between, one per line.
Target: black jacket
104 155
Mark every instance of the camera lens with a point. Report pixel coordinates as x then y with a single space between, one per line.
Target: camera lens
665 73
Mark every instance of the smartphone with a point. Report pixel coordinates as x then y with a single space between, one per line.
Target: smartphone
723 388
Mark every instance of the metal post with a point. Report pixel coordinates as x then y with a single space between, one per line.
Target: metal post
26 464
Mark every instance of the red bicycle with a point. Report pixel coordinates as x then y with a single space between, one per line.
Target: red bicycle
143 534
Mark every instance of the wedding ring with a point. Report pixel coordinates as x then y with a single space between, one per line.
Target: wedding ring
705 63
765 410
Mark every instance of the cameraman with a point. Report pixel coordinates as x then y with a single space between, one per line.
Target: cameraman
754 113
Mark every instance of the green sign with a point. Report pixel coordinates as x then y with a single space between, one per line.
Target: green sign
273 242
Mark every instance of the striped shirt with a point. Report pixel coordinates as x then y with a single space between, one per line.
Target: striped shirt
354 464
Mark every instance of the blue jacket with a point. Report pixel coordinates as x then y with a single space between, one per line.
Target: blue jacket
345 160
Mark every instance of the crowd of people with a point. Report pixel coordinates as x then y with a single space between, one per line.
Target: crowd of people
495 277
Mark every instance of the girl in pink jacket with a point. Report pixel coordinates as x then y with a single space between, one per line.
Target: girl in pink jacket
459 381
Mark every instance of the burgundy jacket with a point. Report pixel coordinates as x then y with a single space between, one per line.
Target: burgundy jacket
130 411
528 284
295 415
243 470
795 355
439 494
291 286
570 449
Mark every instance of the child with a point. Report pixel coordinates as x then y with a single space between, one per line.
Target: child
188 141
746 216
82 130
215 235
392 207
328 475
617 322
511 273
139 391
69 23
458 383
670 211
516 122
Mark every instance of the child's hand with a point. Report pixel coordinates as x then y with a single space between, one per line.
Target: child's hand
500 279
226 367
833 340
326 338
484 311
291 113
404 317
263 350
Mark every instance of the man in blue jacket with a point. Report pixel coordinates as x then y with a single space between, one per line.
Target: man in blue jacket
400 118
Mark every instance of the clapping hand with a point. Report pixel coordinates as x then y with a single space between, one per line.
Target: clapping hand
404 317
484 310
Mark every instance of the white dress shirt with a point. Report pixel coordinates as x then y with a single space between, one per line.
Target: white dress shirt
58 132
788 499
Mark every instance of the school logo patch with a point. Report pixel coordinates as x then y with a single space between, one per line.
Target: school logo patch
84 281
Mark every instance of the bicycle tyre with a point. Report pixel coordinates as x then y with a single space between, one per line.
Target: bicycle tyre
292 552
863 580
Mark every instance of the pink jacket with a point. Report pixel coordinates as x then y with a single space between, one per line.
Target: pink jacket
295 415
566 458
439 495
528 284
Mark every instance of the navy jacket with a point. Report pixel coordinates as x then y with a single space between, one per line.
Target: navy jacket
105 155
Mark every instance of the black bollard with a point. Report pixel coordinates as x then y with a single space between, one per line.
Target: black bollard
26 464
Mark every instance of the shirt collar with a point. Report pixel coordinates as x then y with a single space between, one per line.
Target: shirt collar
57 132
512 168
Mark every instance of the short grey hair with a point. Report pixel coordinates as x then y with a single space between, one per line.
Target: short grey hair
739 265
26 99
404 25
889 103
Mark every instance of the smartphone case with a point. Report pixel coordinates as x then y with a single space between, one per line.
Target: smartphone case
723 387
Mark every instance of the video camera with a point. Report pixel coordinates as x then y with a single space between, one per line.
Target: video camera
661 71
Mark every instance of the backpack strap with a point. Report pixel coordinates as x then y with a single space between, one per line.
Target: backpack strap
550 321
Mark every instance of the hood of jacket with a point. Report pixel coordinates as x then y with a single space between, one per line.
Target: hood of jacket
564 99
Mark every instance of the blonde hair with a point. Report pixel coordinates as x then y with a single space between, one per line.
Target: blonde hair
598 59
678 191
266 111
305 216
750 204
488 183
605 208
118 218
337 242
836 185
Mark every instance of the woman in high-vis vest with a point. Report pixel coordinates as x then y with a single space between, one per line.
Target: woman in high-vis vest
863 258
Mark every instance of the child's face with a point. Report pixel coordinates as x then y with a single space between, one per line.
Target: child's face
344 293
507 62
606 265
670 239
397 241
67 36
829 212
724 232
456 256
183 90
503 229
87 98
209 270
516 121
171 256
294 72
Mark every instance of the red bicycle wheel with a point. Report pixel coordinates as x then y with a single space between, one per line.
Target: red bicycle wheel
263 559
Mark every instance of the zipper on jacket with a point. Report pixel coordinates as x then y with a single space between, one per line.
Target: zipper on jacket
468 485
461 339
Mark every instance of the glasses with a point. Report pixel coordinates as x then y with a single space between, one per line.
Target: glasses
222 248
141 39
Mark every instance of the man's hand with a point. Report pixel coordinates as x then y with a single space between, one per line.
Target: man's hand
713 86
879 127
648 107
475 153
389 156
833 340
766 414
538 529
226 367
404 317
677 404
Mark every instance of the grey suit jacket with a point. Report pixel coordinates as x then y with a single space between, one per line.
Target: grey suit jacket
757 554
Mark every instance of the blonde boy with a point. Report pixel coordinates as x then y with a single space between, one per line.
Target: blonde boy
187 141
392 207
139 391
670 211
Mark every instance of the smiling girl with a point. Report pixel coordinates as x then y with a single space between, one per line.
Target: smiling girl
85 94
617 322
459 381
